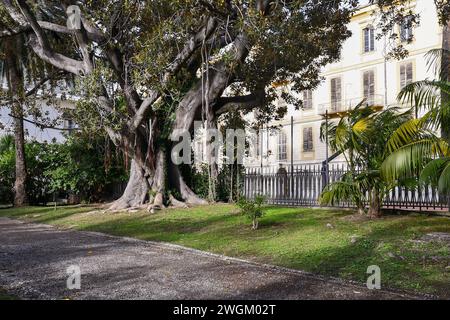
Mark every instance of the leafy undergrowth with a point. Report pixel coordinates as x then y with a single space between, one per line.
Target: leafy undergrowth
329 242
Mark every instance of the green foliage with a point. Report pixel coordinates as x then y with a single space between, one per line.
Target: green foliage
253 209
361 136
437 173
414 150
82 166
7 159
348 189
79 166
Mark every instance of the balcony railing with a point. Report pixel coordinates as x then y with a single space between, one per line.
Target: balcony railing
334 107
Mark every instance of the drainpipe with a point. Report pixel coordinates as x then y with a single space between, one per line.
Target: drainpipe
326 168
385 74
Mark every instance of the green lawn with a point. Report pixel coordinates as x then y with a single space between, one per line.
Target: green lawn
292 237
5 296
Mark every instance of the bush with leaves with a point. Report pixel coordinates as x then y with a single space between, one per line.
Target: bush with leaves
83 166
253 209
7 156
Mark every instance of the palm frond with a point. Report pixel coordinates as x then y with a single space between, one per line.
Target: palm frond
6 143
405 134
444 180
340 191
361 126
424 93
438 62
408 160
432 171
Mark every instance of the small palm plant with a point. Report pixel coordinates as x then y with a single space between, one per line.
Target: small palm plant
253 209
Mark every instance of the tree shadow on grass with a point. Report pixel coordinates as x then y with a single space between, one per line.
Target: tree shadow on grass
144 227
44 214
353 259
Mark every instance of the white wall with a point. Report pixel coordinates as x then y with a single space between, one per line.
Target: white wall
33 132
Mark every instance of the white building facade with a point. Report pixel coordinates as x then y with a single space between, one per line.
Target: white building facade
363 72
54 128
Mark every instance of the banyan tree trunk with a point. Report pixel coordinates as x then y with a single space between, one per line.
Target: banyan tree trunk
137 189
149 180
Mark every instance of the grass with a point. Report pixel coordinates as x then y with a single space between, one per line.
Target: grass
5 296
314 240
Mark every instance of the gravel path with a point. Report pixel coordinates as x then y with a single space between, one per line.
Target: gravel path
34 259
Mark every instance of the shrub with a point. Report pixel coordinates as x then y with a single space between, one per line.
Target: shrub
7 167
253 209
83 167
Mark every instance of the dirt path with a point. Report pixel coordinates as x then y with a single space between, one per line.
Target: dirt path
34 260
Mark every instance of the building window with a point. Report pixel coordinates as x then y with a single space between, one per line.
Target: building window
282 148
258 144
307 100
308 144
369 39
336 94
406 74
406 29
69 125
199 152
369 86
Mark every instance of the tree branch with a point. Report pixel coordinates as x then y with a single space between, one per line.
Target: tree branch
14 13
40 35
40 43
186 53
41 125
38 85
247 102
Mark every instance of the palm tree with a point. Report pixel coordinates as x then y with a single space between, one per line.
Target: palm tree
416 152
20 68
361 137
345 137
15 82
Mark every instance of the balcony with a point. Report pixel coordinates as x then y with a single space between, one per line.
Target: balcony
339 108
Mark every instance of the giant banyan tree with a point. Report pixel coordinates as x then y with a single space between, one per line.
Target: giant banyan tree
146 69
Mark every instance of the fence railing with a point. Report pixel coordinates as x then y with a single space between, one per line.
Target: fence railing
301 185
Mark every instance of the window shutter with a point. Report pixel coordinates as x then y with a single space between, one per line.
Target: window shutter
305 143
372 39
369 39
308 140
406 74
282 150
402 76
307 99
336 93
366 40
338 89
258 144
409 73
369 86
366 84
333 89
